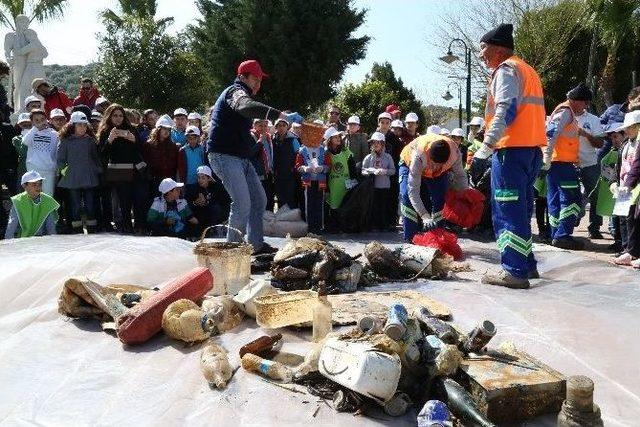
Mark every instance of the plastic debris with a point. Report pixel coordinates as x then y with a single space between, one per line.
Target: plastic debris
215 366
184 320
268 368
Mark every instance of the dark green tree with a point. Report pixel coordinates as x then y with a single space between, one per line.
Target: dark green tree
380 88
305 46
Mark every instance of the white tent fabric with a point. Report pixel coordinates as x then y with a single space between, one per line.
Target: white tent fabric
582 318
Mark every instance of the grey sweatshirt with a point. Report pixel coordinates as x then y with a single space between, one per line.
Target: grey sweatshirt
80 157
383 161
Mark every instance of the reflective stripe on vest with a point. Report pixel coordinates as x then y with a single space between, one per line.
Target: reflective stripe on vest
422 144
568 142
528 127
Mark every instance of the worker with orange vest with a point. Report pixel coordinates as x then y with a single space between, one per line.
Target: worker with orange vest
515 131
560 156
427 165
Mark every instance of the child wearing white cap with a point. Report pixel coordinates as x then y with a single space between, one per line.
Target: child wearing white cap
42 147
180 118
24 124
285 150
80 168
57 119
380 165
160 153
33 213
169 214
190 157
356 141
411 128
202 201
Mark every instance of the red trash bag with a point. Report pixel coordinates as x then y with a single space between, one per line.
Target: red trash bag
145 319
441 239
464 208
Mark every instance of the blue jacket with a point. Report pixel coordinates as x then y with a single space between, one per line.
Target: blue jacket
232 119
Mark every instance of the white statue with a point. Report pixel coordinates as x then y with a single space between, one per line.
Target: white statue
24 53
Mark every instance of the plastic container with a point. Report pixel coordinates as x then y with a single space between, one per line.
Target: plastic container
396 325
246 296
230 264
287 309
361 368
434 413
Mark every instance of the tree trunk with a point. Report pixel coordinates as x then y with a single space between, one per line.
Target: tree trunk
592 58
607 80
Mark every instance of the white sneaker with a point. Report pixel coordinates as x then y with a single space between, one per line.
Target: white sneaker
636 263
624 259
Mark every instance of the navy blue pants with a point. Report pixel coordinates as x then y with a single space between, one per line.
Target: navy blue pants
564 199
432 193
314 207
513 172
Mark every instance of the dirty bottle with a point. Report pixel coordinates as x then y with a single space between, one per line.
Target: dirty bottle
397 405
268 368
479 337
437 327
261 346
322 323
370 324
578 409
434 413
461 403
215 366
396 324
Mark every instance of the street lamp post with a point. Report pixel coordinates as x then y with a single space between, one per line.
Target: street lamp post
447 97
450 58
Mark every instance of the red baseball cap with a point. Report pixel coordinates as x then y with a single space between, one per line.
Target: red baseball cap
392 109
252 66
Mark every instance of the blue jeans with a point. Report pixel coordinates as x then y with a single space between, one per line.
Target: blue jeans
589 177
248 200
76 197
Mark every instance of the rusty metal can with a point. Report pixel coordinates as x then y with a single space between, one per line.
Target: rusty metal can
479 337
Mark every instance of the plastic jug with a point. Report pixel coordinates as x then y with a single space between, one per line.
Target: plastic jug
361 368
257 288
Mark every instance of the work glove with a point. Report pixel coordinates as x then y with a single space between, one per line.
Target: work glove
294 117
623 191
546 161
484 152
378 171
429 223
614 188
350 183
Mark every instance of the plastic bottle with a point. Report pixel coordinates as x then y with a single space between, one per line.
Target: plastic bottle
215 366
370 324
396 324
269 368
434 413
479 337
261 346
437 327
322 323
461 404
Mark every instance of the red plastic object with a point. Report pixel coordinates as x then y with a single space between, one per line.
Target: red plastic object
145 319
441 239
464 208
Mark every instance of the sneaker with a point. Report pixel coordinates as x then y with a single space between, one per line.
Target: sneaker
503 278
568 243
533 274
595 235
624 259
265 249
636 263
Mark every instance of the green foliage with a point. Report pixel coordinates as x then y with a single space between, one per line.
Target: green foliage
134 11
39 10
143 67
67 77
305 46
379 89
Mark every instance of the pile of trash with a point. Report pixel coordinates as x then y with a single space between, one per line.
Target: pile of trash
406 263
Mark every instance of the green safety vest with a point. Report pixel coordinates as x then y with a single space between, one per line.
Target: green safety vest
606 201
338 175
32 215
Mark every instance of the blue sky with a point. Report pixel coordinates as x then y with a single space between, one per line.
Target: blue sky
400 32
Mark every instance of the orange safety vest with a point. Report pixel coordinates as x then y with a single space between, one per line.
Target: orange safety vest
528 127
422 144
568 142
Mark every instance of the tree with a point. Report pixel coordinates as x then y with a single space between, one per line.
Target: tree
379 89
142 66
39 10
305 46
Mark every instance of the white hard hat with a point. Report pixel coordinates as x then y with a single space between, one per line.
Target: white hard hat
377 136
476 121
318 122
630 119
180 112
204 170
78 117
31 176
95 115
355 120
457 132
397 124
101 100
385 115
613 127
281 120
331 132
445 131
411 118
32 98
168 184
193 116
165 122
434 129
192 130
56 112
23 117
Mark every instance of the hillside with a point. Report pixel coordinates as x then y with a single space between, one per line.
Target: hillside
67 77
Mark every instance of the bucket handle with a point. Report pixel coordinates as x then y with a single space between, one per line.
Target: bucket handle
204 232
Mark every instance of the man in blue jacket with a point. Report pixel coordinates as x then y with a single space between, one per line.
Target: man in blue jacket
230 147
